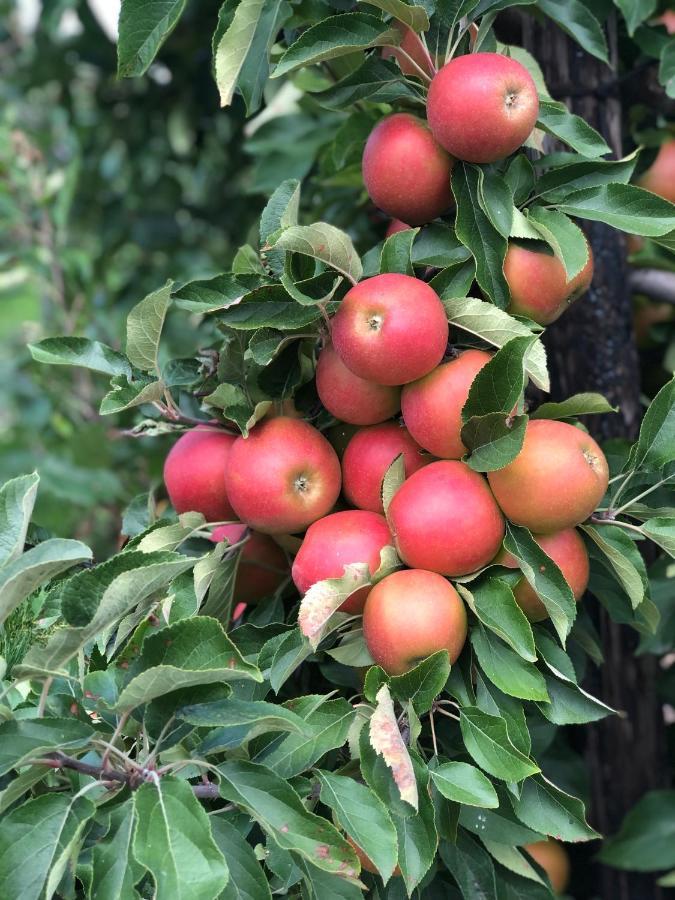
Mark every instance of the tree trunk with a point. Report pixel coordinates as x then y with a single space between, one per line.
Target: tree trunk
592 348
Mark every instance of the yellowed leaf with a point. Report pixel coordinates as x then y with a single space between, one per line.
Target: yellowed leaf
386 740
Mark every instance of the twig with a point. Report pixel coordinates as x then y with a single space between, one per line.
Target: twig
655 283
433 731
43 696
599 520
121 722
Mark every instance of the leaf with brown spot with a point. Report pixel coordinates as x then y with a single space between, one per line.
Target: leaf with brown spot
386 741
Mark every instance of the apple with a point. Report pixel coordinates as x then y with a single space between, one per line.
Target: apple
667 19
567 550
194 473
553 859
482 107
538 283
411 614
390 329
368 456
660 176
350 398
366 862
432 406
445 519
555 482
413 47
395 226
406 173
263 566
283 476
351 536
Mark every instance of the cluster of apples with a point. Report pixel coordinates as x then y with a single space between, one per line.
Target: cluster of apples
388 351
480 108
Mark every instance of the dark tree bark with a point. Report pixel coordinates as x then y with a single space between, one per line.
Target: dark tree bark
592 348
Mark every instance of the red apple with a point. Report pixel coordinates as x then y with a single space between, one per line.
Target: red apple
406 173
368 456
660 176
445 519
263 566
413 47
432 406
352 536
567 550
350 398
667 19
395 226
553 859
539 286
482 107
555 482
411 614
194 473
391 329
283 476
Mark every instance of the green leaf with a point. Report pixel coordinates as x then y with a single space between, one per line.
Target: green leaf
487 741
494 440
635 12
494 702
144 25
498 825
508 671
544 807
394 477
173 840
323 242
438 246
492 601
623 559
363 816
497 328
471 867
144 328
513 860
422 684
327 886
247 879
667 69
278 809
463 783
126 394
498 386
662 532
578 405
208 295
269 306
248 718
556 119
24 739
569 704
114 869
578 21
336 36
624 206
377 80
417 836
520 178
415 17
234 45
281 656
646 840
79 351
281 211
454 281
17 499
564 237
559 182
655 446
496 200
396 252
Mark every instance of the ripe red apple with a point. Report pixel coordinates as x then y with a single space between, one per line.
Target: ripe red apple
411 614
368 456
482 107
194 473
413 47
395 226
553 858
283 476
445 519
555 482
538 283
390 329
667 19
263 566
406 173
660 176
567 550
351 536
350 398
432 406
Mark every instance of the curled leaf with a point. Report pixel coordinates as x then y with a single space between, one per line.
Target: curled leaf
386 741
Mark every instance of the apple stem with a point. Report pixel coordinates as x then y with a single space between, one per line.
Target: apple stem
423 75
616 512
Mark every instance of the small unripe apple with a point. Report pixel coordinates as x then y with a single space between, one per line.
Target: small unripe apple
350 398
553 858
432 406
445 519
482 107
351 536
413 47
368 456
411 614
390 329
194 473
555 482
406 173
395 226
567 550
283 476
660 176
263 566
539 286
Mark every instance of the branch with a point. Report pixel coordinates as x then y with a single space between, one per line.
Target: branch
656 283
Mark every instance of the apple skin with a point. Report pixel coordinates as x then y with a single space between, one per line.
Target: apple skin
194 473
412 45
395 226
555 482
539 286
660 176
366 862
351 536
368 456
667 19
482 107
411 614
445 519
263 566
390 329
567 550
432 406
553 859
406 173
283 476
350 398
